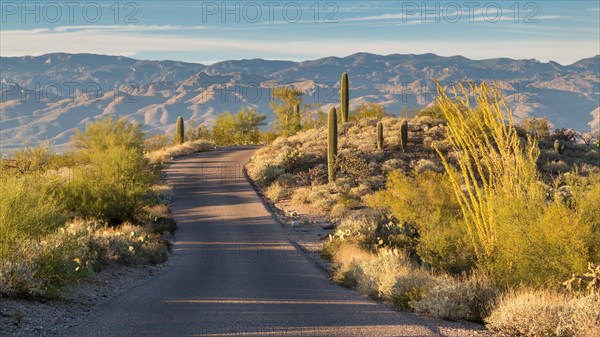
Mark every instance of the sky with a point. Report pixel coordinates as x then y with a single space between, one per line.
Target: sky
211 31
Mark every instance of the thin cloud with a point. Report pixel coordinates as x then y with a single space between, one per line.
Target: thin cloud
19 43
128 28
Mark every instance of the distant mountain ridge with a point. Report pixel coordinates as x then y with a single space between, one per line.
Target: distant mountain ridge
46 97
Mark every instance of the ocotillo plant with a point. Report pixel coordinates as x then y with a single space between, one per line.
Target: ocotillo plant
379 135
344 98
403 135
332 138
179 135
559 147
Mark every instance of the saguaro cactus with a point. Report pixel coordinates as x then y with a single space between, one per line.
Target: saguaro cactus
403 135
379 135
559 147
297 118
344 98
332 142
179 135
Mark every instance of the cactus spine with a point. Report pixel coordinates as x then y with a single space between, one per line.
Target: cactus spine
403 135
332 140
344 98
379 135
179 135
559 147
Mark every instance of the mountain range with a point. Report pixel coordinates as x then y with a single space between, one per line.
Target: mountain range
45 98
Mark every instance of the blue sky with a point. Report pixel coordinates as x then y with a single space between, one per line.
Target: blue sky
211 31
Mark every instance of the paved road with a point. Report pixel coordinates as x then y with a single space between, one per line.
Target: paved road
233 273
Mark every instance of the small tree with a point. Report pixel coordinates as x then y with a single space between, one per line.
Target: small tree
191 133
537 127
566 135
588 137
238 129
203 132
285 99
369 110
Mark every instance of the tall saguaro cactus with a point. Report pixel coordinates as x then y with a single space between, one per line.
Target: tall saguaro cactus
297 118
344 98
403 135
332 142
379 135
179 135
559 147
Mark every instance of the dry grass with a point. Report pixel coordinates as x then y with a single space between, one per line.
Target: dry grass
545 313
164 155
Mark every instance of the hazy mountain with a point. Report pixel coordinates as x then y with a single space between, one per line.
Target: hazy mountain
46 97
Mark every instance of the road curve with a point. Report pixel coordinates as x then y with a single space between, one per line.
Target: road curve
233 273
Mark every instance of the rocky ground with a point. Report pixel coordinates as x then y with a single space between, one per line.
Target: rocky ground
29 318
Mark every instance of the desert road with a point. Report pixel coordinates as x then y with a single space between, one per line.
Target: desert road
234 273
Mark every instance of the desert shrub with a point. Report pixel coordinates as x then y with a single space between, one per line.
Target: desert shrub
516 234
559 167
456 299
323 197
353 166
433 112
347 258
275 192
566 135
359 191
237 129
29 160
376 277
18 269
537 127
291 159
160 194
545 313
157 142
318 174
410 288
107 133
44 266
391 165
111 187
368 110
423 165
339 210
287 180
265 173
427 203
28 209
301 196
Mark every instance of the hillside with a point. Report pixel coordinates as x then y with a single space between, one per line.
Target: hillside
46 97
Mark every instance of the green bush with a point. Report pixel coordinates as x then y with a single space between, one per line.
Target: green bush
114 176
27 209
111 187
427 203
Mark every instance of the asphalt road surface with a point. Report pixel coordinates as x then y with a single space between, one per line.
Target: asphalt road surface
233 273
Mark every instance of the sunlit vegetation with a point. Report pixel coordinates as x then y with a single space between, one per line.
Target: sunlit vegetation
472 217
65 216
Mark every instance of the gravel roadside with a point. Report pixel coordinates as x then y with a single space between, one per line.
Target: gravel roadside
28 318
